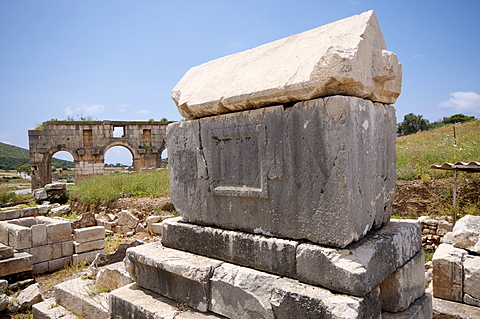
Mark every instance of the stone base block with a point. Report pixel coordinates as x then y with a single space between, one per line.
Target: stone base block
276 170
49 309
274 255
79 296
404 286
175 274
454 310
291 299
5 251
89 246
88 256
88 234
362 266
448 272
20 262
239 292
133 301
420 309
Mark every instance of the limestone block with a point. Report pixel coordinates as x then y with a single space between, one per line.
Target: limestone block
39 235
404 286
27 221
41 253
40 194
56 264
113 278
156 228
444 227
471 282
274 255
175 274
347 57
363 265
40 268
275 171
55 186
125 218
469 300
5 251
420 309
57 250
88 256
20 262
84 235
29 211
466 233
3 216
448 272
88 246
50 309
12 214
43 209
58 231
76 296
133 301
4 233
292 299
60 210
27 297
19 237
239 292
449 309
67 248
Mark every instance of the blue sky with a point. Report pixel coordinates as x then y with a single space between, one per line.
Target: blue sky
119 60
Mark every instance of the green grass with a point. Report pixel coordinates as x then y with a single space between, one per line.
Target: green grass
107 188
417 152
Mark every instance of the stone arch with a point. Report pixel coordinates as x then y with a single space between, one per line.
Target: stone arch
88 142
128 146
48 155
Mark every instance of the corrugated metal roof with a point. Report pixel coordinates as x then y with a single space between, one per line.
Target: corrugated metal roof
459 166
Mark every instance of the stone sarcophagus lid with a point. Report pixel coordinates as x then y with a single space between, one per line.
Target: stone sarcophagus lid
289 162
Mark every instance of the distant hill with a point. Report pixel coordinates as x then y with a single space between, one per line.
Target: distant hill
11 156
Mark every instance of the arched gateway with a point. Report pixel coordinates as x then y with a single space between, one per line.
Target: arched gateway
88 141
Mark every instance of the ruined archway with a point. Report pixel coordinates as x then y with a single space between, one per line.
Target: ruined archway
88 141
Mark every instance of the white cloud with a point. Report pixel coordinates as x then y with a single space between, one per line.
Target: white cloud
143 111
463 102
415 56
84 109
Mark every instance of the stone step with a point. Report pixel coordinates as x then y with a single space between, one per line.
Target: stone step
451 309
134 302
356 269
80 297
20 262
50 309
229 290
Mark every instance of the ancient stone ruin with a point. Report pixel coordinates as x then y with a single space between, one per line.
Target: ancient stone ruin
456 270
284 178
88 141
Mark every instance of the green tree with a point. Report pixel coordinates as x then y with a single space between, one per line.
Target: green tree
25 168
458 118
412 124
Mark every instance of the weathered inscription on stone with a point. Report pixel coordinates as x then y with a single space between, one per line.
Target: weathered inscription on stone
237 158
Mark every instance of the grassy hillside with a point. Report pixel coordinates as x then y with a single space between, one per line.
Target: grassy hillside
11 156
451 143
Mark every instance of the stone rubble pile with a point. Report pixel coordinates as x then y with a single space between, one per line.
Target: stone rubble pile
285 189
433 231
456 268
